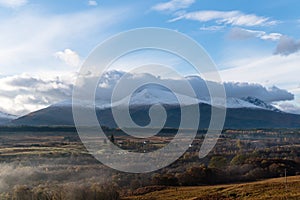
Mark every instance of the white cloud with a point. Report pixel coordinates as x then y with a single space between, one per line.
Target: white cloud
287 46
68 56
12 3
233 89
173 5
235 18
92 3
212 28
289 107
29 38
241 34
271 70
282 71
20 94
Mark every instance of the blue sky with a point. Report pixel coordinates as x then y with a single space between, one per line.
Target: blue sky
253 41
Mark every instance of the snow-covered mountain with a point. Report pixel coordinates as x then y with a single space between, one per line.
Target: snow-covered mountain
5 118
261 104
153 94
243 110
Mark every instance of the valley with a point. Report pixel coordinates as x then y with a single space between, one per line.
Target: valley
51 161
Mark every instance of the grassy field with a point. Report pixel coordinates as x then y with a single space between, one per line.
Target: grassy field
50 164
267 189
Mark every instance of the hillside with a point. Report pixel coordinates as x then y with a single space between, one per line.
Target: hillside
235 118
267 189
5 118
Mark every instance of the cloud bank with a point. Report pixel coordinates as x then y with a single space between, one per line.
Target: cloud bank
23 93
20 94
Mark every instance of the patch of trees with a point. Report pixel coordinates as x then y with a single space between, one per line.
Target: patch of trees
220 169
65 192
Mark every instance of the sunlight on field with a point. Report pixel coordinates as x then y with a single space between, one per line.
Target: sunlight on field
267 189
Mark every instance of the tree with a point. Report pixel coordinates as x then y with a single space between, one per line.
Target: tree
217 162
239 159
112 138
239 144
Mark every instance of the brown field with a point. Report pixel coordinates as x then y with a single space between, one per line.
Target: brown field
54 165
266 189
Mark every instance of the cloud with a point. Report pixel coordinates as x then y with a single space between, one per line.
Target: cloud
235 18
268 70
212 28
29 38
12 3
269 95
92 3
287 46
20 94
289 107
68 56
242 34
233 89
173 5
242 90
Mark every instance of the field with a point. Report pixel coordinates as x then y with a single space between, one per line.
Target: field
266 189
51 163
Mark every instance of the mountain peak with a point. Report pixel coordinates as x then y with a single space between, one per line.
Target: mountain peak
261 104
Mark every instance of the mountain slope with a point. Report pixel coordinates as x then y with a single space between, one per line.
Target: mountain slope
5 118
235 118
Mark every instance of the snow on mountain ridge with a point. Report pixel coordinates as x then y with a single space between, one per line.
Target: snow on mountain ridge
150 95
261 103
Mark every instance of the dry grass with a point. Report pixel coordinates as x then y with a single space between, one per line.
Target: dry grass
267 189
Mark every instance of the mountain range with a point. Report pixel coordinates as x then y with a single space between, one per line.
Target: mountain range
245 112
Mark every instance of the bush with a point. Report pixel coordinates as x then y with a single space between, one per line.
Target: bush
239 159
21 192
66 192
218 162
165 179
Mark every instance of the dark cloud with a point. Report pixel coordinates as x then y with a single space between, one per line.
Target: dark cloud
242 90
287 46
269 95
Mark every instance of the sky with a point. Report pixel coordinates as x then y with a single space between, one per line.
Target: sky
255 44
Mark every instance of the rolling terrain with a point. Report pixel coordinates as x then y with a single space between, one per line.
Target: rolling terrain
266 189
